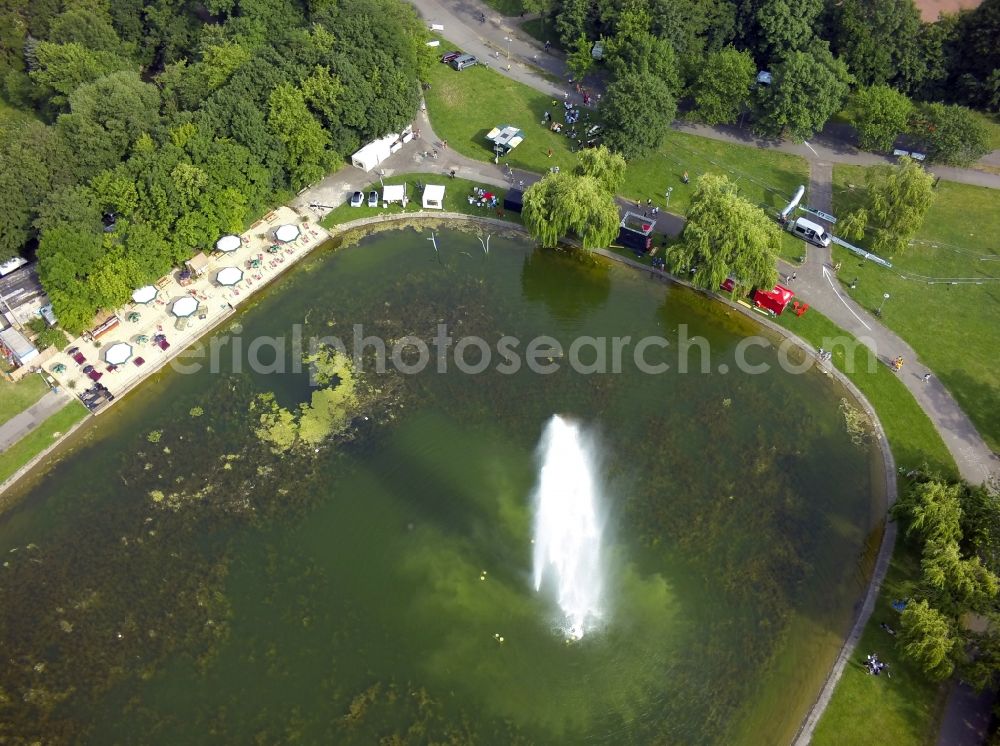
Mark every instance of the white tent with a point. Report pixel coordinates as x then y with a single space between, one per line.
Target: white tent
394 193
229 276
145 294
228 243
434 197
287 233
184 307
118 353
374 153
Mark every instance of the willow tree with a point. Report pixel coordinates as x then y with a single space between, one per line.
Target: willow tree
898 199
726 236
561 204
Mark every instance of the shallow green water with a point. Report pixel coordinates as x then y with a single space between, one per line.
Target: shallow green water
337 597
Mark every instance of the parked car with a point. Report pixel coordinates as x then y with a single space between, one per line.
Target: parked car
357 199
373 198
463 61
450 56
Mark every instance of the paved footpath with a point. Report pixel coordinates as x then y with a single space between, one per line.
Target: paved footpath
23 423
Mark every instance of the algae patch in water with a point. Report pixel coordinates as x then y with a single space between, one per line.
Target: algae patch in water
327 414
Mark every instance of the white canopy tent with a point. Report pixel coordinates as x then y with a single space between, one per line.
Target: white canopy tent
145 294
287 232
229 276
184 307
394 193
118 353
434 197
228 243
374 153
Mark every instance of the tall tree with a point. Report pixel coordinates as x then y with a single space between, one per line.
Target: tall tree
563 204
952 134
878 39
726 236
723 87
307 144
898 199
107 116
62 68
787 25
928 637
638 109
604 165
807 89
880 114
641 53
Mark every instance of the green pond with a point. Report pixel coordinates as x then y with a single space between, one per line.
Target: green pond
172 579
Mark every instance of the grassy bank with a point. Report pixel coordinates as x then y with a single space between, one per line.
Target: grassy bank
911 434
40 438
16 397
902 709
905 708
456 199
952 327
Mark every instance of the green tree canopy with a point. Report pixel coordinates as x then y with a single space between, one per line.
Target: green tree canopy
723 87
62 68
562 204
929 638
879 41
106 117
638 109
880 114
953 134
304 138
899 197
787 25
604 165
726 236
807 89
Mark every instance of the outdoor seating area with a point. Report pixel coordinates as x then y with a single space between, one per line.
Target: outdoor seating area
191 299
482 198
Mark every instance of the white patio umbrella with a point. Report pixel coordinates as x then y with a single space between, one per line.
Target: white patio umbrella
184 307
287 233
228 243
118 353
229 276
145 294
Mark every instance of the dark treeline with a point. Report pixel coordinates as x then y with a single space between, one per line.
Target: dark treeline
819 51
184 119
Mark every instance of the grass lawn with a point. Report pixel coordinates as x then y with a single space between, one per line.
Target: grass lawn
953 328
40 438
456 195
911 434
16 397
902 710
465 105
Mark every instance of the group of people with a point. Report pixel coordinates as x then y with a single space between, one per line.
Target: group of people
874 666
824 354
897 364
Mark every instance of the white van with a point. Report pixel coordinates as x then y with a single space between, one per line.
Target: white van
810 232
